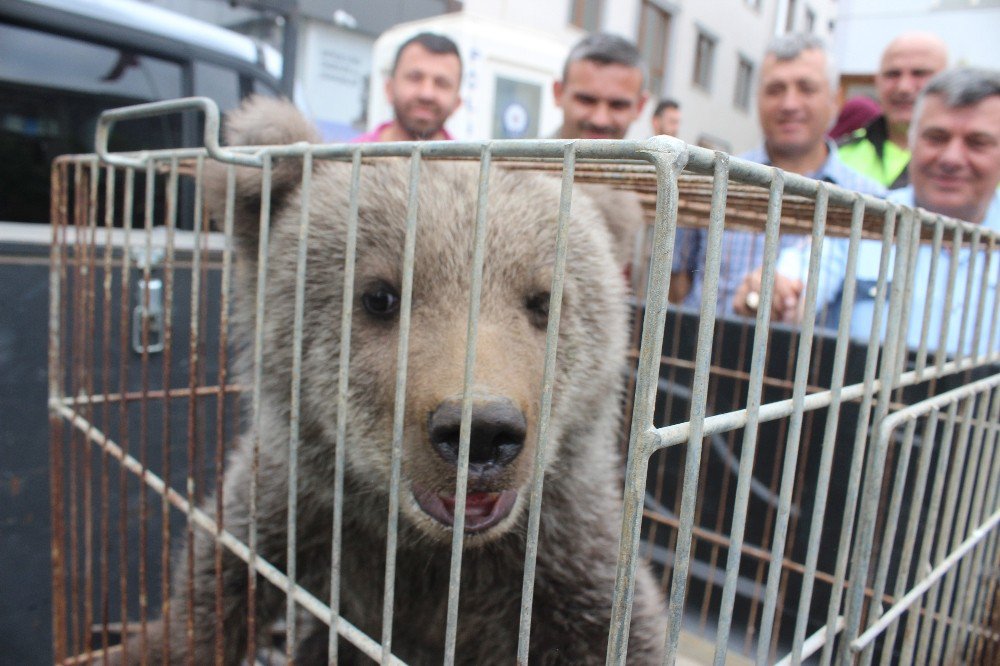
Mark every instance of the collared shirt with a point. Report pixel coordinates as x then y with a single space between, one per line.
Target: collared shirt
926 296
373 136
743 251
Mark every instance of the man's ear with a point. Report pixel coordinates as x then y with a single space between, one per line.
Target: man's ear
387 87
831 120
643 98
557 92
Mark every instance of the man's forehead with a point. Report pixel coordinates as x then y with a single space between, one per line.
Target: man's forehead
912 56
581 70
416 55
981 117
810 64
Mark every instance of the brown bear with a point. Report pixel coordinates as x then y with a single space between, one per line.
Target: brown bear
581 507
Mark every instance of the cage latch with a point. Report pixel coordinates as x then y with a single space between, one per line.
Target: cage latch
147 314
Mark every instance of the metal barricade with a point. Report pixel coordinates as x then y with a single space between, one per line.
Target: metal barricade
801 495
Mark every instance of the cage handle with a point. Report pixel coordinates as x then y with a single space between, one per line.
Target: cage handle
207 106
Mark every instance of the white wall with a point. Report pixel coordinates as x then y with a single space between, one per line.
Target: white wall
332 71
865 28
739 29
620 17
543 15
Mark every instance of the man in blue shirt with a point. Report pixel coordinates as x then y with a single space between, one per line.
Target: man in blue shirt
954 171
797 102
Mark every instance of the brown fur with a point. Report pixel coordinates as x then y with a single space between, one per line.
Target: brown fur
581 508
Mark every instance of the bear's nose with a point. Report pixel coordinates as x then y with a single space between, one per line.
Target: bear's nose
498 430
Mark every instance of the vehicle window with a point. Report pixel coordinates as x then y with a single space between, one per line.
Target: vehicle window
54 88
41 59
264 88
39 124
219 83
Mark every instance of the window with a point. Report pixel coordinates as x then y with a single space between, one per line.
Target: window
704 56
219 83
810 20
790 16
586 14
54 87
744 83
36 58
654 35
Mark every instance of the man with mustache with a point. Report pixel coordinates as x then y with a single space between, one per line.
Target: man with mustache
601 91
796 104
880 149
954 171
423 89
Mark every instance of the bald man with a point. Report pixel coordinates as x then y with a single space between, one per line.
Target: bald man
880 150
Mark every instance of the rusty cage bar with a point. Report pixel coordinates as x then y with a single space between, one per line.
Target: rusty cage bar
801 494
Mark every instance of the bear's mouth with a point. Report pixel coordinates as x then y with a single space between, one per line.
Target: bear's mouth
482 510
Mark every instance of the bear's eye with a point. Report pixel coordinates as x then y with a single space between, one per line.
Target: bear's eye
381 301
537 306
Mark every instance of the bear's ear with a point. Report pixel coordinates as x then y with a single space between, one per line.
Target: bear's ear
267 121
622 214
260 121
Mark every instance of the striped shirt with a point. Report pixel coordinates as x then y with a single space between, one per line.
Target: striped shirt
743 251
930 295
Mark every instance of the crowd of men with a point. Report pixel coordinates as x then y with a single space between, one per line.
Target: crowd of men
934 143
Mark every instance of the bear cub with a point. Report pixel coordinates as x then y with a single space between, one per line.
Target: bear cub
581 505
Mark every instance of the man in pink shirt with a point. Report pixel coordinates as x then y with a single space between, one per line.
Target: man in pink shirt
423 89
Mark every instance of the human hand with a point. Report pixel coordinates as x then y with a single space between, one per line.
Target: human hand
786 299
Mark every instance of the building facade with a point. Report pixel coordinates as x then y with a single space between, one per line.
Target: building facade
706 55
968 27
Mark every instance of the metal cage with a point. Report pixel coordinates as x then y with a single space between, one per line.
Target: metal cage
802 495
